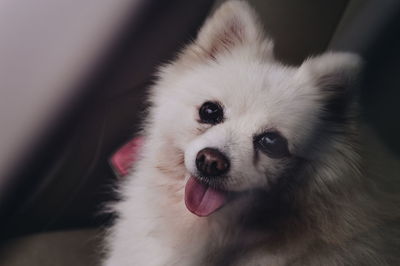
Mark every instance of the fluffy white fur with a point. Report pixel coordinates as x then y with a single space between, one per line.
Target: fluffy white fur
329 212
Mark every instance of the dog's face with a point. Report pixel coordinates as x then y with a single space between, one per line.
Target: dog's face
255 115
242 119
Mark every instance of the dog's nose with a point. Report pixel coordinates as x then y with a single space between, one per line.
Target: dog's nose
211 162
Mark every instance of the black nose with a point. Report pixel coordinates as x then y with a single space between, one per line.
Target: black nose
212 162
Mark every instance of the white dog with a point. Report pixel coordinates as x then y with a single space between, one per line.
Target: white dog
251 162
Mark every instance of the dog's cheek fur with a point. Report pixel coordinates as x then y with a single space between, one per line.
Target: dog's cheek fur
171 131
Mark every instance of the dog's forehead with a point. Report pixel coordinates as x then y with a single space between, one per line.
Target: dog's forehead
254 86
261 95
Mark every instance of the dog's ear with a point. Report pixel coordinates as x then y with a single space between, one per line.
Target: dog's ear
333 71
233 25
334 75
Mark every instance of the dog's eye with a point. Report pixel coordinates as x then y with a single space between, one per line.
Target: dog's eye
273 144
211 113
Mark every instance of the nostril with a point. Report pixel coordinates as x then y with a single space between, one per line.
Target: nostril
214 166
202 158
200 161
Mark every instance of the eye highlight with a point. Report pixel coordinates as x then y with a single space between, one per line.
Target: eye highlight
211 113
273 144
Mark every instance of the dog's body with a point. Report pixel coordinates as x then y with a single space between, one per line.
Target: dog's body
265 157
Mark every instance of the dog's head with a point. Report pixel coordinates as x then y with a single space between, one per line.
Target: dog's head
241 119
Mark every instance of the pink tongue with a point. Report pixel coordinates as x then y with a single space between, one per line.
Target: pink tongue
201 199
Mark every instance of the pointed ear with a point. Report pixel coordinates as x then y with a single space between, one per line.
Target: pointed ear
334 75
332 72
234 24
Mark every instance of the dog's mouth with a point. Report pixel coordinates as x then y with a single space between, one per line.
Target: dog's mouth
202 199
